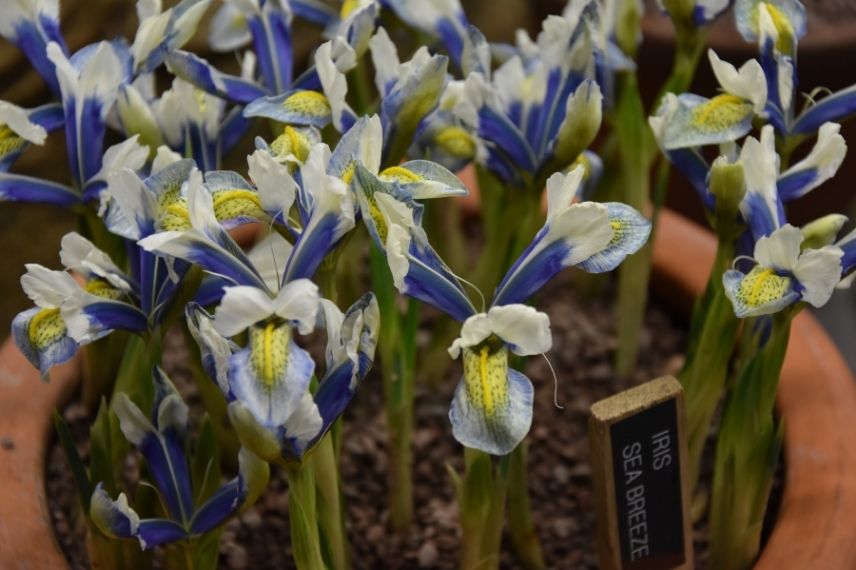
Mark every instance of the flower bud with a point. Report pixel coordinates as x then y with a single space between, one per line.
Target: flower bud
822 231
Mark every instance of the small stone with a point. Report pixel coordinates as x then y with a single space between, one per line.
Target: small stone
252 519
7 443
428 555
375 533
237 558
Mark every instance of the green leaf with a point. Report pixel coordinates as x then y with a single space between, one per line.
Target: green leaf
78 469
101 461
205 464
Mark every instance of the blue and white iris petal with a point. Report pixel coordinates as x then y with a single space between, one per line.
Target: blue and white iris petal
161 440
492 406
783 275
32 25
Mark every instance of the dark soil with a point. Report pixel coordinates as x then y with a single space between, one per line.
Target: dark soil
559 470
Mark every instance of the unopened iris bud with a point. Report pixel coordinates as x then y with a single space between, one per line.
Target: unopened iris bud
582 121
822 231
628 33
728 186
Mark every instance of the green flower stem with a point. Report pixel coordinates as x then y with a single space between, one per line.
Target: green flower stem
748 447
712 332
396 346
524 540
305 538
481 503
633 135
101 361
331 516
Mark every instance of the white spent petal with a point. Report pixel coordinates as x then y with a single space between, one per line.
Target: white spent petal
135 425
385 59
163 158
826 155
397 246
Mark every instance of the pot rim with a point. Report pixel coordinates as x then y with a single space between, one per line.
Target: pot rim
815 522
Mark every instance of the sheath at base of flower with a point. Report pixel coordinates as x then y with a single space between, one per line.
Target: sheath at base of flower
161 440
783 275
267 382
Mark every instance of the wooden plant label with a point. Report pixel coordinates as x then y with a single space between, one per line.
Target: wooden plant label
638 445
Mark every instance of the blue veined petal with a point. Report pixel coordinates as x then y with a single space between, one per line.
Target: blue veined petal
307 81
698 121
492 407
321 236
452 36
155 532
50 116
762 219
695 168
630 232
117 519
195 70
821 164
210 290
314 11
20 188
181 24
240 492
306 108
195 247
41 336
788 14
272 41
271 375
500 131
791 185
224 503
419 272
32 37
574 234
114 518
780 79
361 143
421 180
367 187
835 107
760 292
235 202
538 130
89 317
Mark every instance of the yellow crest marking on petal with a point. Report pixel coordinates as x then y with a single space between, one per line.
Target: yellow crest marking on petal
720 113
399 174
618 229
348 6
237 203
291 142
348 173
763 285
378 218
103 289
784 28
175 217
457 142
9 141
46 327
308 103
269 352
486 376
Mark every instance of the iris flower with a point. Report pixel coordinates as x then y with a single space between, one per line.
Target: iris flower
492 408
161 438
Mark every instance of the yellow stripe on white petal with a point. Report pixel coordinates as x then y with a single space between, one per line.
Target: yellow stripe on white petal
399 174
456 142
237 203
292 144
762 286
486 376
269 352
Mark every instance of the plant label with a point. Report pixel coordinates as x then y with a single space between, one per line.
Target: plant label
638 446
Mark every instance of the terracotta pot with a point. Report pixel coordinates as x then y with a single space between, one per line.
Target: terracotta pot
817 397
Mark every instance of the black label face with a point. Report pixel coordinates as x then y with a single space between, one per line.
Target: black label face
648 488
